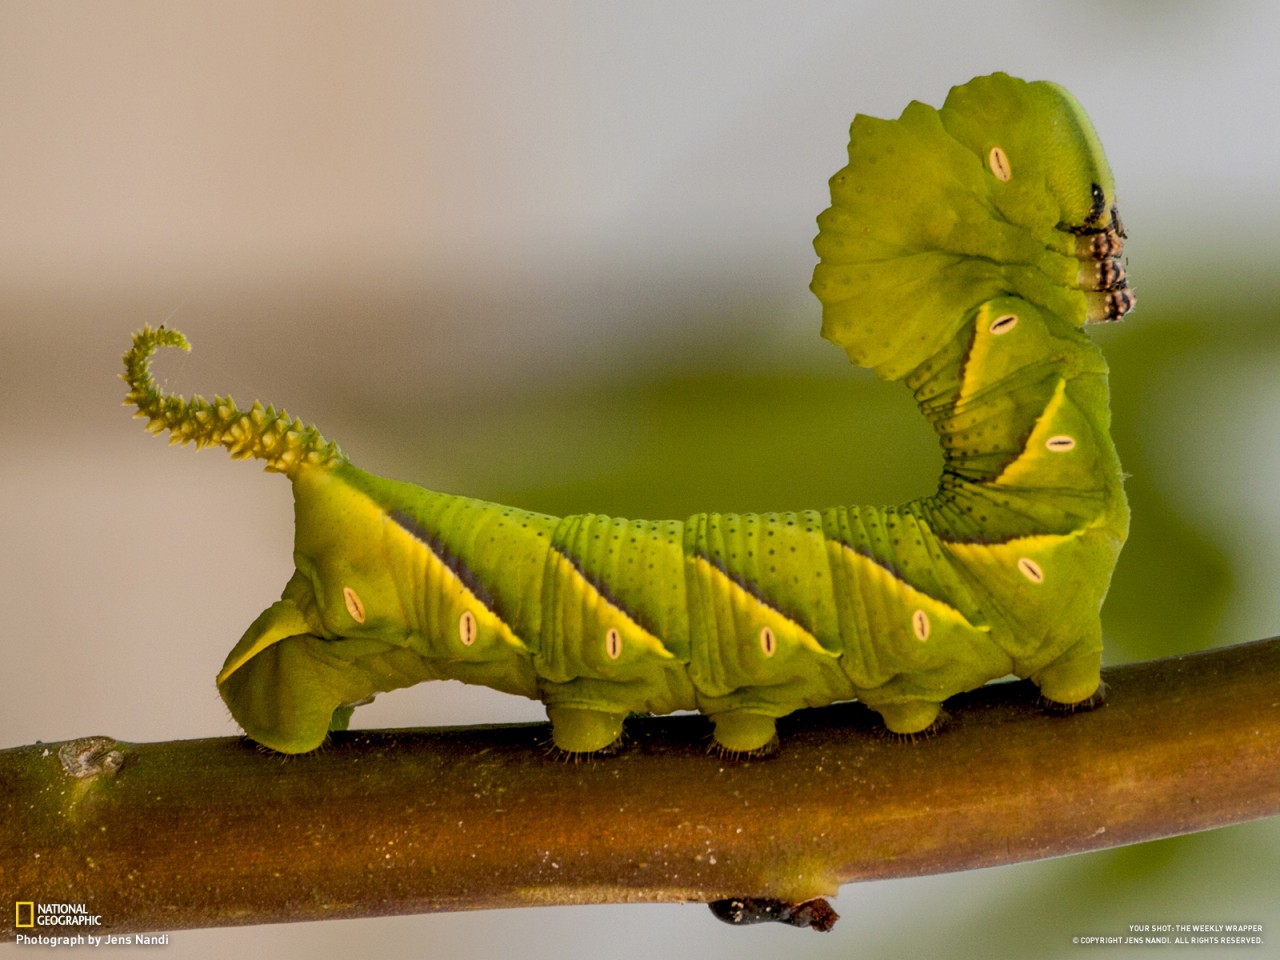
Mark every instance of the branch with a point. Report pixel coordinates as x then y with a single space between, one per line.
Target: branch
218 833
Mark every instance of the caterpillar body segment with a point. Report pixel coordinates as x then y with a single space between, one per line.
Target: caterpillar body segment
964 252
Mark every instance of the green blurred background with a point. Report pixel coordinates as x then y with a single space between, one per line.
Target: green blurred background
556 254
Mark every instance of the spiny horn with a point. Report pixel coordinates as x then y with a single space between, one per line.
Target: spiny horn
261 432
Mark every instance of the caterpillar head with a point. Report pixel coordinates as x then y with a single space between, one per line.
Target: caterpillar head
1043 152
1003 191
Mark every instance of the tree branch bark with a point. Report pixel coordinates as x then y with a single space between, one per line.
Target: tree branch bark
218 833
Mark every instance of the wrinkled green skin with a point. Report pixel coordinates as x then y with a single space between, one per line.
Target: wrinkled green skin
926 254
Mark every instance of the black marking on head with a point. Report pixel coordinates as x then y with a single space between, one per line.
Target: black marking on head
1099 206
1093 219
450 559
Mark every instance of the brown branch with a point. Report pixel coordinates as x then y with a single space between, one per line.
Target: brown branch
218 833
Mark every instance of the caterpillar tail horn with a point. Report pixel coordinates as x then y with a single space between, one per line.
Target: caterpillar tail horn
264 433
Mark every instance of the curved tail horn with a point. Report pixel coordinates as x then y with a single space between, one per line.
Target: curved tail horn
261 432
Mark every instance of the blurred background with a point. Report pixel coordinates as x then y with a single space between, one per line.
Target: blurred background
557 254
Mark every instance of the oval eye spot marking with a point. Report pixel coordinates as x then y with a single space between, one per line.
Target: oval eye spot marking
613 643
1030 569
920 625
998 161
467 628
768 642
1061 443
354 605
1003 324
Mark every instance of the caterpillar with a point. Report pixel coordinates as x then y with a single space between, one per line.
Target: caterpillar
963 252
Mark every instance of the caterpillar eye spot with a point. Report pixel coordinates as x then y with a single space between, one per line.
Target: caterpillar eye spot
998 161
1030 569
613 643
1003 324
355 606
920 625
768 642
1060 443
467 628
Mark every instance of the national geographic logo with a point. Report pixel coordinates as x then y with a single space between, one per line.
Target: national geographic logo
29 915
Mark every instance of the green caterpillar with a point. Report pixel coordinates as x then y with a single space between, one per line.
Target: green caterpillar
963 251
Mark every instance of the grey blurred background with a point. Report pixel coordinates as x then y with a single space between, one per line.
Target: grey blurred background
557 254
